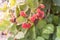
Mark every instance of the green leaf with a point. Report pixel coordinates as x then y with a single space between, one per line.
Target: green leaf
59 21
55 20
46 36
41 24
21 19
34 32
10 38
32 3
50 18
4 25
30 35
17 11
24 7
49 28
13 29
40 38
58 31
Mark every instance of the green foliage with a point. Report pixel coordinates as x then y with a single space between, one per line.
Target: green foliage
45 36
21 19
56 20
42 29
30 35
24 7
17 11
41 24
32 3
49 28
40 38
10 38
4 25
13 29
58 33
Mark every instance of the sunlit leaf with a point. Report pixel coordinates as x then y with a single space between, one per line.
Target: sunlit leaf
12 2
4 25
32 3
58 31
21 19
